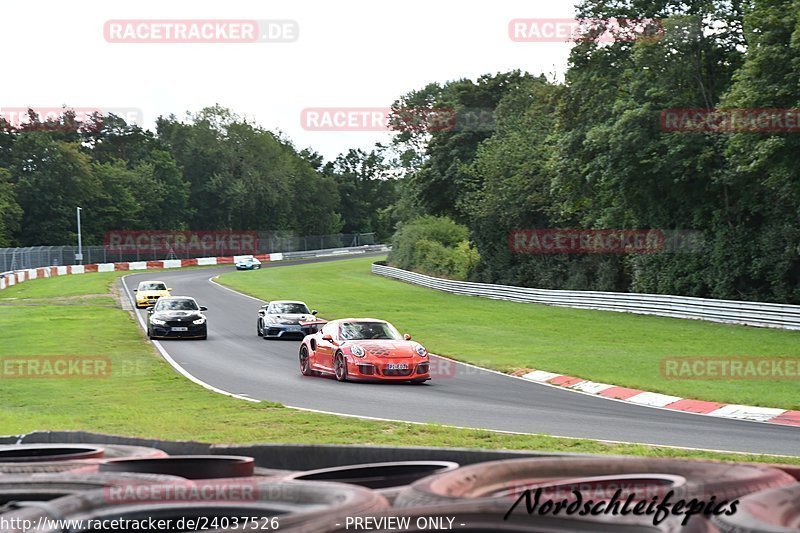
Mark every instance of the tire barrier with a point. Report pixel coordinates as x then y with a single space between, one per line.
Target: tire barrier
299 506
45 487
512 486
185 466
377 475
494 479
769 511
387 478
33 458
480 518
130 482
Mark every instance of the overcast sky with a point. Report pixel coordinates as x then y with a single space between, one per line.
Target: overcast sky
350 53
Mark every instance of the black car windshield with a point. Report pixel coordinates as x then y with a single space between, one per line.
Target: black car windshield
287 309
152 287
176 305
354 331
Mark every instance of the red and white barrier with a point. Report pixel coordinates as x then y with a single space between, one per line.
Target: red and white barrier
674 403
12 278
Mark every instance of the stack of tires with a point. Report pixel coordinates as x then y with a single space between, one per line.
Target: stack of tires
103 486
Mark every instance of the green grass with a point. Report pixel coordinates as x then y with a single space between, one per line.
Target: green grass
618 348
145 397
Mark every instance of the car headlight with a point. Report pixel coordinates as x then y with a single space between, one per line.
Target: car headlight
201 320
157 321
358 351
421 351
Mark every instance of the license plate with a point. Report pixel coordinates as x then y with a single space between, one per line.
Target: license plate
293 328
180 329
397 366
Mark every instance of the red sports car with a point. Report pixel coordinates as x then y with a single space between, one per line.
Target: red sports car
364 349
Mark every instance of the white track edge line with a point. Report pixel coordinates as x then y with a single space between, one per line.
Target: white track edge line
546 384
198 381
174 364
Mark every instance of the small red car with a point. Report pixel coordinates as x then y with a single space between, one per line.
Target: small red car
364 349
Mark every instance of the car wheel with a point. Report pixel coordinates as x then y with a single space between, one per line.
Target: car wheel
340 367
305 361
258 328
149 334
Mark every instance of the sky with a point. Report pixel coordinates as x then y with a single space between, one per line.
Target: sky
345 54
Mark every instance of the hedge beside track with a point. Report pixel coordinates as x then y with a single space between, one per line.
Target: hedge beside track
760 314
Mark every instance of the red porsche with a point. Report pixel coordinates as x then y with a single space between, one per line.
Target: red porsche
364 349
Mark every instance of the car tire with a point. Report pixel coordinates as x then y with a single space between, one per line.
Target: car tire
258 328
340 367
305 361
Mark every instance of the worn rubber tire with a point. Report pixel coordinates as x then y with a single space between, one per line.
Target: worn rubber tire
484 517
110 451
300 506
377 475
769 511
46 487
483 480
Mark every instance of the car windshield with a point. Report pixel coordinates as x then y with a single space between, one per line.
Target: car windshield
287 309
152 287
177 305
353 331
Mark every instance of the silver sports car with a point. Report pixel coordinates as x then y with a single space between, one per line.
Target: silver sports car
285 318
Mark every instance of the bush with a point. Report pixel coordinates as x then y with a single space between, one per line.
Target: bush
436 246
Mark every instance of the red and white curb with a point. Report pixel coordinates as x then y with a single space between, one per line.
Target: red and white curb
675 403
21 276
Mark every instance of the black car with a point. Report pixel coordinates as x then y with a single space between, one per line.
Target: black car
176 317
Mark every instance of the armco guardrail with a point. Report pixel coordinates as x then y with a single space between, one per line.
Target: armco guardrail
7 279
727 311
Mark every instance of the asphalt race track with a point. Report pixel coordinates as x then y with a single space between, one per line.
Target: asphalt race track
236 360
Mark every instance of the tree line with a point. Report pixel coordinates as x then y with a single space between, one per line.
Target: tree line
473 161
212 170
591 152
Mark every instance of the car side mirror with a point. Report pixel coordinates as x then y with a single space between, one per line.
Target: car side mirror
313 311
264 306
203 308
328 337
135 290
407 337
169 289
149 309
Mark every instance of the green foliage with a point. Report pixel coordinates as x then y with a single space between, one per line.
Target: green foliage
436 246
590 153
213 170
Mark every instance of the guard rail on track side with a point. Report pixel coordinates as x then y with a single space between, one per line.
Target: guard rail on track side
727 311
8 279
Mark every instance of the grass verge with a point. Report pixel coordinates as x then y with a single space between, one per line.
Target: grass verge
142 396
618 348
